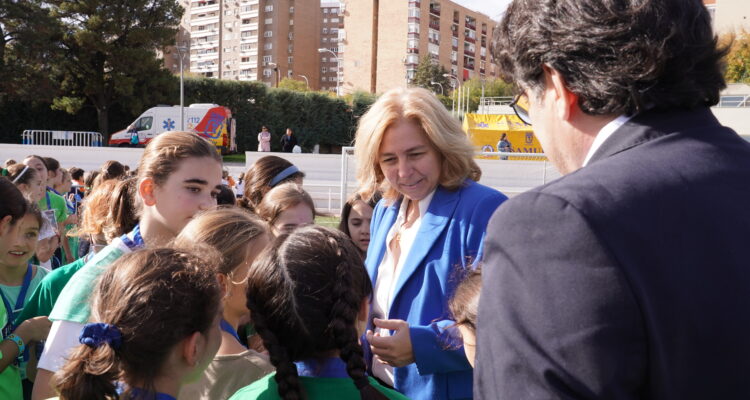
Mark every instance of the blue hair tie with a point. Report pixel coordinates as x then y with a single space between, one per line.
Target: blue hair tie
283 175
96 334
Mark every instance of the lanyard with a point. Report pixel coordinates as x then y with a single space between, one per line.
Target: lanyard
20 300
136 242
49 203
229 329
136 393
329 368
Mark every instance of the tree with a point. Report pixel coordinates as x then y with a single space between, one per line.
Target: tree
28 36
738 59
110 53
292 84
429 71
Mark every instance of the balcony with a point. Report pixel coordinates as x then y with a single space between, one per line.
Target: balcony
469 66
471 26
413 35
470 39
435 11
435 25
484 30
454 47
414 4
414 19
454 62
469 52
434 41
412 51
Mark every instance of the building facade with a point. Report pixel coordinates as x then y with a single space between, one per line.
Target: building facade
250 40
729 16
332 35
392 36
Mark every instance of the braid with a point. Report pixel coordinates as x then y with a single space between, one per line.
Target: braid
343 324
286 372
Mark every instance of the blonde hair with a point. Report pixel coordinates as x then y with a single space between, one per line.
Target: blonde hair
442 131
281 198
229 230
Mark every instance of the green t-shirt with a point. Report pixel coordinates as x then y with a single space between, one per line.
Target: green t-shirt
73 303
315 388
11 294
43 299
58 204
10 378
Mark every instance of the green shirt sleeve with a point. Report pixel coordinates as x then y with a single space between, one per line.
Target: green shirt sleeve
44 296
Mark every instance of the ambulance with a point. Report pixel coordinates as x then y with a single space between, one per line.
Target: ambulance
211 121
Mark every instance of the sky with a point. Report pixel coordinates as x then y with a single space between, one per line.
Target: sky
492 8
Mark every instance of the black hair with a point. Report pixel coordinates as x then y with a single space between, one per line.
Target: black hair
618 56
347 209
304 294
13 204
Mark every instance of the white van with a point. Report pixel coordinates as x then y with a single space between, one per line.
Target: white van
212 121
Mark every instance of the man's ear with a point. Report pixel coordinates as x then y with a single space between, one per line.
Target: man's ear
191 348
566 102
146 191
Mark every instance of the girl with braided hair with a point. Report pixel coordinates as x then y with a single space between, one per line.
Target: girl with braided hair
308 294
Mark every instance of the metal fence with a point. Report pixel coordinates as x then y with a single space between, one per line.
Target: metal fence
62 138
738 100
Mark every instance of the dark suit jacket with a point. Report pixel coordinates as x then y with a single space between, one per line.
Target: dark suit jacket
627 279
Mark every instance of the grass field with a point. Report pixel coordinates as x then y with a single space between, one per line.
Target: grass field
327 220
234 158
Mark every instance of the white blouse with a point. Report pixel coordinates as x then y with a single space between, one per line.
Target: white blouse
389 271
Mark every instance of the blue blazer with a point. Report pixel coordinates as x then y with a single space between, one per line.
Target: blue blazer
450 239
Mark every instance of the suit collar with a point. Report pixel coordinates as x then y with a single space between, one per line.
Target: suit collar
651 125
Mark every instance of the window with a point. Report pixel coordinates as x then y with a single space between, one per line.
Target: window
268 21
334 31
248 46
325 31
246 34
268 8
335 20
324 69
291 22
291 10
245 21
324 60
325 20
267 73
413 28
290 60
268 46
325 11
324 79
245 59
267 34
267 59
325 40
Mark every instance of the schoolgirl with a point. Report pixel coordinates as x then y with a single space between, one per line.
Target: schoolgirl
239 236
178 175
266 173
156 314
308 296
356 216
286 207
19 225
109 213
53 205
463 307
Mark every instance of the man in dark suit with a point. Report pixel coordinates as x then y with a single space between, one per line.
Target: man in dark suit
629 277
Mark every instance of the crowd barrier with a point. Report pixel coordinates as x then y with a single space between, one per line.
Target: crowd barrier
61 138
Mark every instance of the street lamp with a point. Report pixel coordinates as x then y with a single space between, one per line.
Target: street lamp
276 70
453 96
180 51
439 84
323 50
307 83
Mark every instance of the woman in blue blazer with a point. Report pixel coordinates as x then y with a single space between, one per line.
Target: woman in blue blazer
426 231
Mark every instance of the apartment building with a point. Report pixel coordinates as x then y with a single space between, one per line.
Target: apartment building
392 36
251 40
332 34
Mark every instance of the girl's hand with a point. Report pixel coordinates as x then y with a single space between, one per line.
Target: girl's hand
34 329
395 350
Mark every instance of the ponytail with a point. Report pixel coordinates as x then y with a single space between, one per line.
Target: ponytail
90 373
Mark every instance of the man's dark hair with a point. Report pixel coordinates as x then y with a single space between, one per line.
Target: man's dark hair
618 56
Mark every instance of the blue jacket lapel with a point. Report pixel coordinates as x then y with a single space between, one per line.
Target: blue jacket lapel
376 251
436 219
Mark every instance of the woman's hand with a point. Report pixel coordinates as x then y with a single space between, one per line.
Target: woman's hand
395 350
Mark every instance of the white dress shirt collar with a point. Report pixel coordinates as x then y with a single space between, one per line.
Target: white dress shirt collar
605 133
